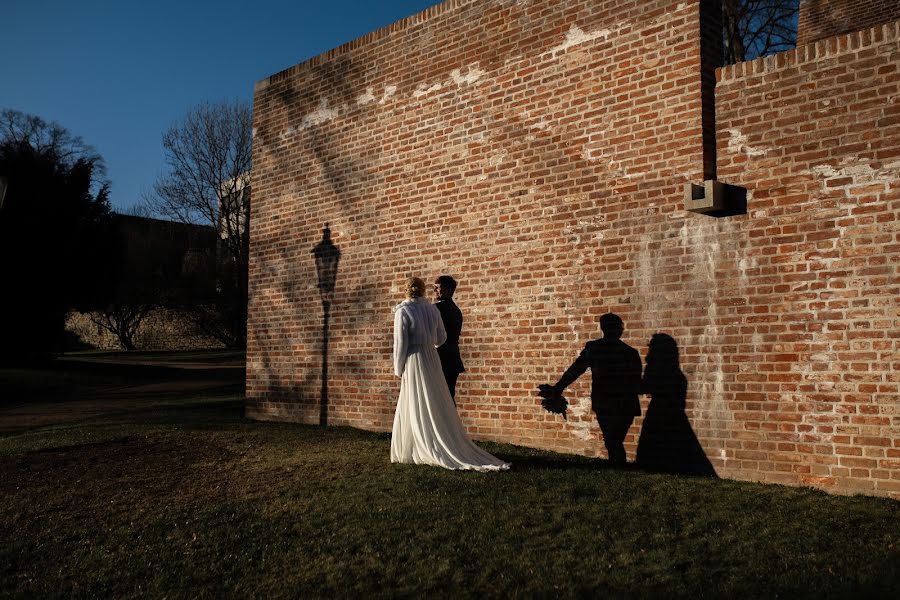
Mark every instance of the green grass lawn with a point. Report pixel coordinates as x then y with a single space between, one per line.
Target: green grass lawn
188 499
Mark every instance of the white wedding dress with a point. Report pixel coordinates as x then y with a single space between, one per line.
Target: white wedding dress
427 429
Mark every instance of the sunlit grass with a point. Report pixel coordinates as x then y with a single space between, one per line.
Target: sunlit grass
191 500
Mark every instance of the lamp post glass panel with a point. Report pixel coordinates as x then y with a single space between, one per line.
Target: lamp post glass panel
327 256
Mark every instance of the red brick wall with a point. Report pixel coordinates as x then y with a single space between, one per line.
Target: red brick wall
820 19
811 357
537 152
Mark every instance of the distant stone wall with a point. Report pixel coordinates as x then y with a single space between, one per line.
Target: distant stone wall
163 329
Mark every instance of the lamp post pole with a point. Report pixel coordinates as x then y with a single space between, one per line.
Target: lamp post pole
4 182
323 404
327 256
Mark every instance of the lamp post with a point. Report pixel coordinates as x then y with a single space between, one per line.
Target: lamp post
4 182
327 256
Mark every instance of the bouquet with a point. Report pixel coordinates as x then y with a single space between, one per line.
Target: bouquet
552 400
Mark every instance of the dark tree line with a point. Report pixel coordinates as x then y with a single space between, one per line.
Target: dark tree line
54 223
62 248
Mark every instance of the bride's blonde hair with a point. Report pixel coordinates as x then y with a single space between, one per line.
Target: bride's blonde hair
415 288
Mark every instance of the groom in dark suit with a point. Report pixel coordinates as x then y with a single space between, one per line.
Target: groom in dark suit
451 362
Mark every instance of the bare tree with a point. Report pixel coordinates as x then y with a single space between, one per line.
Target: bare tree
754 28
207 180
123 321
148 258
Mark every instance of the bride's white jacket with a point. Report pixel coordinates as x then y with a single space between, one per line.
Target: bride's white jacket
417 322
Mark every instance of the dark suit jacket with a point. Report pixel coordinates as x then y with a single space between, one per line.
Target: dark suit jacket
451 361
615 376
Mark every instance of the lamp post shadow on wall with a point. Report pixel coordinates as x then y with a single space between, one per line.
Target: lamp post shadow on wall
327 256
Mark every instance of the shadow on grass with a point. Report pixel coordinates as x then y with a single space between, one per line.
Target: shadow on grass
69 393
67 380
145 372
197 414
222 357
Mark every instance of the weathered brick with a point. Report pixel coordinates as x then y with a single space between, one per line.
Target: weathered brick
538 153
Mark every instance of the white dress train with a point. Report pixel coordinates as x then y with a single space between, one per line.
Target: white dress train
427 429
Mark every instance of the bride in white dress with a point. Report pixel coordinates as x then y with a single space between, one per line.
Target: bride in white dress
427 430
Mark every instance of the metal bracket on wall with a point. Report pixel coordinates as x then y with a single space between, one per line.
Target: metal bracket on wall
715 199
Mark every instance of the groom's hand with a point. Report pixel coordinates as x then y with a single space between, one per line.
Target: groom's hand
547 391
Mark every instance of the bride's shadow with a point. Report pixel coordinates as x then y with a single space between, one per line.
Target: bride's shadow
667 442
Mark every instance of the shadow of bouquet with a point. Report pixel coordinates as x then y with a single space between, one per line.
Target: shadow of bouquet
552 400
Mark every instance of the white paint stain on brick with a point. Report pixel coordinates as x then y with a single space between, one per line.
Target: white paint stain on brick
594 152
367 98
389 92
860 172
322 114
498 157
757 340
737 144
576 36
425 90
457 77
581 419
702 238
473 74
701 241
591 154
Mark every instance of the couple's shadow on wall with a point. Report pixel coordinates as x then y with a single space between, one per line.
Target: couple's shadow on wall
667 441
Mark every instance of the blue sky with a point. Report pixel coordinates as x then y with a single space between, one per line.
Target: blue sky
119 73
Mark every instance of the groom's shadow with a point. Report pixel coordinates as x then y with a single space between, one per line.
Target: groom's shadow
667 443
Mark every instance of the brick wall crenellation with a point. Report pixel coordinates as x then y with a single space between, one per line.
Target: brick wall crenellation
814 52
821 19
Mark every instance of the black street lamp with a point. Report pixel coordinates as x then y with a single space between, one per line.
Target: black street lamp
4 182
327 256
